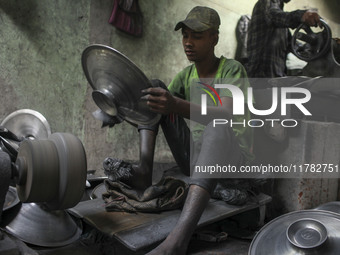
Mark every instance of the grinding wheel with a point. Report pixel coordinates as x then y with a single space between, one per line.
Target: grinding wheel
72 170
38 165
117 84
52 171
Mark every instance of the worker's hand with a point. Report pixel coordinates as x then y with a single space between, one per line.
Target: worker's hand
311 18
159 100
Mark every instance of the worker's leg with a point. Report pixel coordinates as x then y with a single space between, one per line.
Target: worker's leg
143 171
177 241
178 137
138 177
217 145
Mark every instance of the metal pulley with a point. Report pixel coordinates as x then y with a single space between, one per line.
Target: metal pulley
52 171
27 123
117 84
20 125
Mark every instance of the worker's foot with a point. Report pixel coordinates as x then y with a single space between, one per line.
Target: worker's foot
131 175
170 246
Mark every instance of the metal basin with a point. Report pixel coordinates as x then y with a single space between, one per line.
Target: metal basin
307 233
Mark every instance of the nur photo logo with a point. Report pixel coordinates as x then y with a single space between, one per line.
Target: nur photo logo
204 97
281 98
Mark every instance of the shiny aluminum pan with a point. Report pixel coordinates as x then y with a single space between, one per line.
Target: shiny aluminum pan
117 84
37 226
273 238
27 123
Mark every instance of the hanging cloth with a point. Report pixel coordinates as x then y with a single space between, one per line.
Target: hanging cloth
127 17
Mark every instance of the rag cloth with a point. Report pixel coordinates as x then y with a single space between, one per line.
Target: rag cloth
168 194
231 193
127 17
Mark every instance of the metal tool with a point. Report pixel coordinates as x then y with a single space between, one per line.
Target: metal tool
117 84
49 171
47 168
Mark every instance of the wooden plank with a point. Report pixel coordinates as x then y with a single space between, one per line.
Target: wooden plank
93 212
140 230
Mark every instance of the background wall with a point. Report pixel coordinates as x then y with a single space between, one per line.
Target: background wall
41 46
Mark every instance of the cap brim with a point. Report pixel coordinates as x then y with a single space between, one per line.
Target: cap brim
179 25
193 25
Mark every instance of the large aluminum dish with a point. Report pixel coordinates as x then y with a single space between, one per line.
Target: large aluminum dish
117 84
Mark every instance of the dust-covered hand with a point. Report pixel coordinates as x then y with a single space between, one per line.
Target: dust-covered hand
311 18
159 100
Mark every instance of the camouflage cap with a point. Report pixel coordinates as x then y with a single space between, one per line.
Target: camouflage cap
200 19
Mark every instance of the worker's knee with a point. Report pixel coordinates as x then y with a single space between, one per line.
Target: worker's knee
207 184
222 133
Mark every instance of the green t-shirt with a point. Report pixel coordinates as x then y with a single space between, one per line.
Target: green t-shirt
229 71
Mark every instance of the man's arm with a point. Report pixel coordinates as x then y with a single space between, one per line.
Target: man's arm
274 14
161 101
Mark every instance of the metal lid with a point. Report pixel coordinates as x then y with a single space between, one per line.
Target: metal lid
301 232
35 225
117 84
